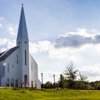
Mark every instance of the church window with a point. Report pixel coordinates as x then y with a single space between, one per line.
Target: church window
25 58
25 42
8 82
12 63
3 69
12 82
17 59
8 68
16 83
31 84
35 84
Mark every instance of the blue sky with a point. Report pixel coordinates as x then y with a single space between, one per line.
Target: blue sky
59 31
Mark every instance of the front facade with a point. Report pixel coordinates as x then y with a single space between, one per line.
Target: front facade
17 66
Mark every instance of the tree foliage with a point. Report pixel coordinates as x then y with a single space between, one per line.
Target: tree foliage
62 81
82 81
48 84
69 80
70 73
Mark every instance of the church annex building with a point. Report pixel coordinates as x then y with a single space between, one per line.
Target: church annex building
17 66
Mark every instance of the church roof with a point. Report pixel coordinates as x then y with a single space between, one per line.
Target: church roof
2 53
22 31
7 53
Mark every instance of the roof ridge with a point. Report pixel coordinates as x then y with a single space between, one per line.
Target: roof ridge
7 53
4 53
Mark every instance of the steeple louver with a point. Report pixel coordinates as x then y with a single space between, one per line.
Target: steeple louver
22 31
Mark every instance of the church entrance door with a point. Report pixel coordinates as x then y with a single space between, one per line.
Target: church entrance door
25 80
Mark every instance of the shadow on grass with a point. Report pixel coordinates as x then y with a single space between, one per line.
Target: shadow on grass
14 89
22 91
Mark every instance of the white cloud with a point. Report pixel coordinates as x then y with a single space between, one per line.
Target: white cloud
94 30
44 46
41 46
91 71
3 49
47 47
58 53
7 43
79 31
76 39
12 29
97 48
67 51
1 18
33 47
11 43
3 41
72 58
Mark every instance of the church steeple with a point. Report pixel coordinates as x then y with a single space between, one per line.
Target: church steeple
23 50
22 31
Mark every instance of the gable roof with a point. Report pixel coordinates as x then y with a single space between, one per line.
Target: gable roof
7 53
2 53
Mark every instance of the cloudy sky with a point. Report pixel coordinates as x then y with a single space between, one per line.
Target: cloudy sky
59 31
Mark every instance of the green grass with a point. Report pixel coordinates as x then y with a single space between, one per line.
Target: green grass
48 94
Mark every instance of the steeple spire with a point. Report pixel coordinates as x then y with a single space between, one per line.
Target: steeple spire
22 31
22 5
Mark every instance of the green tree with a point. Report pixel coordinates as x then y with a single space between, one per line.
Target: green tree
62 81
97 85
48 84
87 86
82 80
71 74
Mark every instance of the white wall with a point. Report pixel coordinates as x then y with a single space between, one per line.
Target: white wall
17 71
34 73
24 69
13 71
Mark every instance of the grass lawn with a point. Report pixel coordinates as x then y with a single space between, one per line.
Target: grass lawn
48 94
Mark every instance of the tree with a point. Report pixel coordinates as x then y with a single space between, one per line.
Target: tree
71 74
87 86
82 80
62 81
48 84
97 85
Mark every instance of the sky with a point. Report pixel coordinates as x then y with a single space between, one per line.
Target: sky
60 31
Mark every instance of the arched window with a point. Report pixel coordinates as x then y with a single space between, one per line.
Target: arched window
16 83
31 84
35 84
12 82
25 80
8 82
12 63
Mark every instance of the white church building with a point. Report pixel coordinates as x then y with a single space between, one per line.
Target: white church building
17 66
